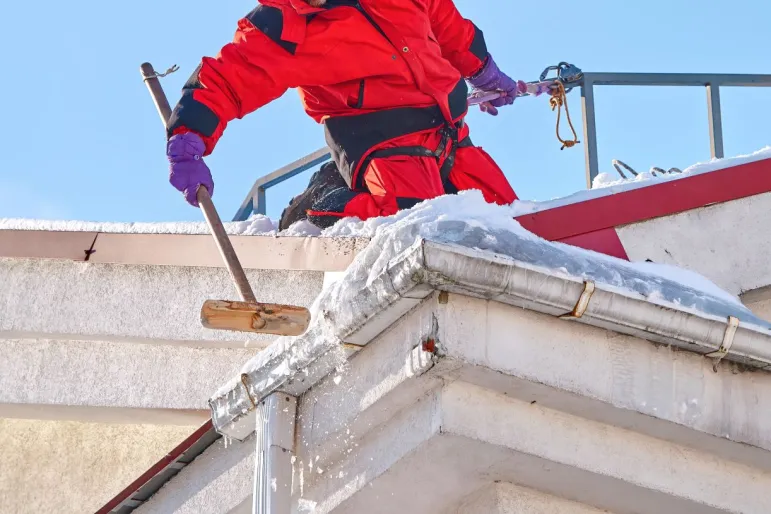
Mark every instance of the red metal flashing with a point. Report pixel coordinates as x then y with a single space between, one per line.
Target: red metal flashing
603 241
206 431
654 201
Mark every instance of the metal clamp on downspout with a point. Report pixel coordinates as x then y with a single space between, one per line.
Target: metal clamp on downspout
583 302
728 341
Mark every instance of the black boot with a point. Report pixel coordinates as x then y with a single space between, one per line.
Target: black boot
325 180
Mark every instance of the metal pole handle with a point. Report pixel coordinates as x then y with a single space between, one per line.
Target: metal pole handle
478 99
204 200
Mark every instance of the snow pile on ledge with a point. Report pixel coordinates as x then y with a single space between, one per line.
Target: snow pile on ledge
609 180
467 222
728 162
607 184
256 225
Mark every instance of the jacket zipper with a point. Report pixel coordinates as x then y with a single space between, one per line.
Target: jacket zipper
364 12
360 103
372 22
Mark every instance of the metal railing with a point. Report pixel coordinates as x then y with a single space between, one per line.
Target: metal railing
712 83
254 203
255 200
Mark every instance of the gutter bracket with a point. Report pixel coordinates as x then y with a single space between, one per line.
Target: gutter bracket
583 302
244 380
728 341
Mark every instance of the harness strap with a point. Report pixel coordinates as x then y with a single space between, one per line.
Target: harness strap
450 139
411 151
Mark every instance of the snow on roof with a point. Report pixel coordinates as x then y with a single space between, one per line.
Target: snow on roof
608 184
468 220
484 236
260 225
256 225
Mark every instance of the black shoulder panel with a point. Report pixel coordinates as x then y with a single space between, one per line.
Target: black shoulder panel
192 114
270 21
478 45
194 82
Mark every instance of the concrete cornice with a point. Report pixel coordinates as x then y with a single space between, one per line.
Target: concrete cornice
296 364
187 250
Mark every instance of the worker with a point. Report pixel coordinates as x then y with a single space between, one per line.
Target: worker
386 78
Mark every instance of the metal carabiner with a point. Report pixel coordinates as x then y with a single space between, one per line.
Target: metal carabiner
569 74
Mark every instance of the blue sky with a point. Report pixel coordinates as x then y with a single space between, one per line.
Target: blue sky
82 140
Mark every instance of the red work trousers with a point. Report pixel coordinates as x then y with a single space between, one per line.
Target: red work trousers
398 182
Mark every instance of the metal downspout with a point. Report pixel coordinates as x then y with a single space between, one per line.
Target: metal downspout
275 448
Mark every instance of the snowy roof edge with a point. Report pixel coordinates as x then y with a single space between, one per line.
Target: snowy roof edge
187 250
294 365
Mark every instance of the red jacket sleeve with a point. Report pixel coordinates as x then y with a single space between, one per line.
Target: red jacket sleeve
462 42
251 71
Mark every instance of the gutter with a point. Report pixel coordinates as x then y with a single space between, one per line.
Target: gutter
144 487
710 327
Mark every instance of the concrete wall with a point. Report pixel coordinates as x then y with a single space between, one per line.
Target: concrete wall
74 468
62 299
582 413
581 419
506 498
88 346
219 481
625 372
114 375
727 242
761 309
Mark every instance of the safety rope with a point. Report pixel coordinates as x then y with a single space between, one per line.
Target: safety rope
558 100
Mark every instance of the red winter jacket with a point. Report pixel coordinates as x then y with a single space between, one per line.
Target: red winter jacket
369 70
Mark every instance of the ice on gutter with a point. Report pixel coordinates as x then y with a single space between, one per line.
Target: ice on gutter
462 244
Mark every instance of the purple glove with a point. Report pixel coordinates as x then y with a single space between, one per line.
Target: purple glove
187 170
493 80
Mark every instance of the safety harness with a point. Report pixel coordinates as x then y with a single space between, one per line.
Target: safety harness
448 145
566 78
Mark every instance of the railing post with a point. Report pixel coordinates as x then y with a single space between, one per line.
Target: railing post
715 121
259 202
590 132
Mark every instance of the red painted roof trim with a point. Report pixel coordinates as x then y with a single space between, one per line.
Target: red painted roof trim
159 466
603 241
654 201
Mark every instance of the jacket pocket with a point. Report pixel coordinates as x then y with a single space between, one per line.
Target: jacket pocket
357 101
